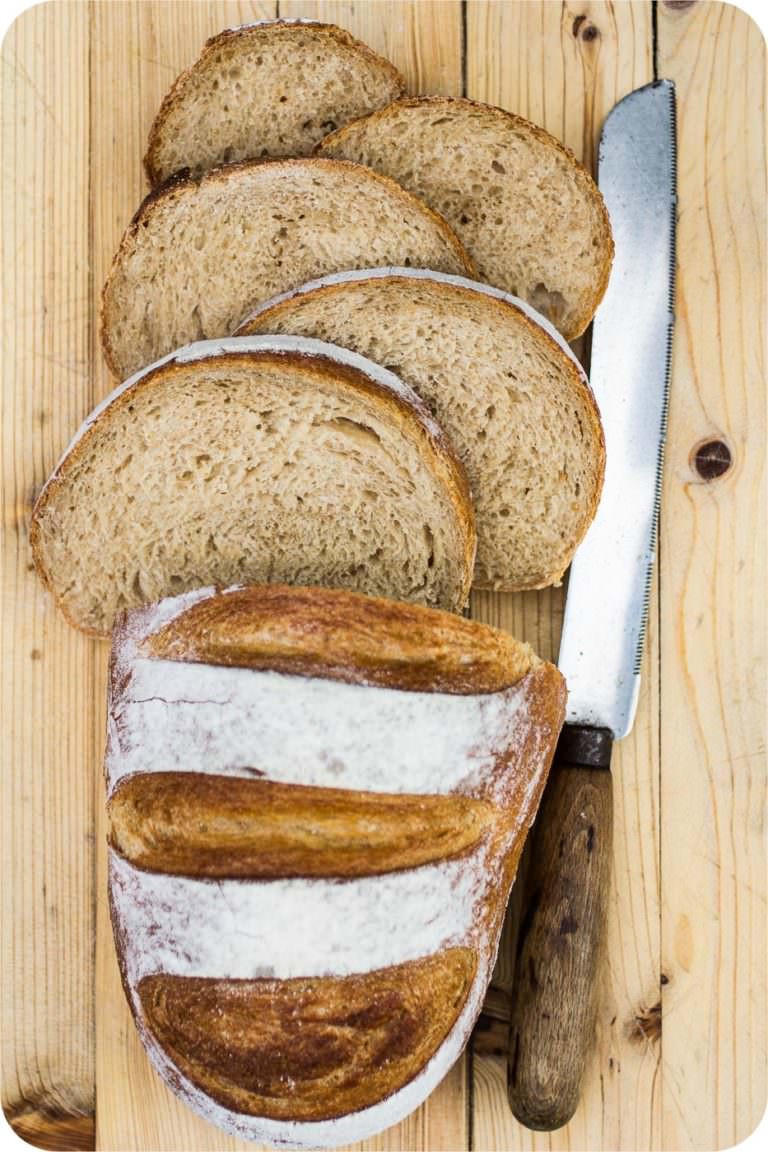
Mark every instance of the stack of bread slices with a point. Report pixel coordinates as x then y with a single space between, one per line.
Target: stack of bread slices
341 321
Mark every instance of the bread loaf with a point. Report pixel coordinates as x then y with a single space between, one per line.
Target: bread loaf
529 214
254 460
504 385
273 88
309 861
199 255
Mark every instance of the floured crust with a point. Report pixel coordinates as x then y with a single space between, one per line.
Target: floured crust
437 452
580 175
317 1010
344 636
255 32
181 185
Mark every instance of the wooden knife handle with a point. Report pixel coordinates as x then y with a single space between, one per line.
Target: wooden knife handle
560 942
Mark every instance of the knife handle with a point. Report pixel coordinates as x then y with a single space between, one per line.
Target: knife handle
560 941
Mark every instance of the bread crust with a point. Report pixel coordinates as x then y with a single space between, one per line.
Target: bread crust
582 176
319 1041
189 824
256 31
181 184
283 1049
579 382
438 453
342 635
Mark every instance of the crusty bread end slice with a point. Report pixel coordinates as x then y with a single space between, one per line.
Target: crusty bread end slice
273 88
199 255
249 461
527 211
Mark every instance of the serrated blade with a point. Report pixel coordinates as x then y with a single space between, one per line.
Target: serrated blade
609 585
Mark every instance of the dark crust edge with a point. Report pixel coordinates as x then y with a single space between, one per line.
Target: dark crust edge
579 380
443 464
254 31
181 183
581 173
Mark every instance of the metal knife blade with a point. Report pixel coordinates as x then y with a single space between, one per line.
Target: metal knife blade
554 1000
609 584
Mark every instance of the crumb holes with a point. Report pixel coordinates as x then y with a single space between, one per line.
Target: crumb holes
463 219
283 99
498 167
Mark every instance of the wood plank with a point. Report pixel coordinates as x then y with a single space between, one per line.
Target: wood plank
564 68
47 671
713 1087
138 49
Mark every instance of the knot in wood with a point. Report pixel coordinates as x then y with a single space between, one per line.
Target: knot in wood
712 459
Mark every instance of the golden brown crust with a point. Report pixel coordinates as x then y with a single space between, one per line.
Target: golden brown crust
261 323
341 635
437 451
223 827
603 268
255 32
308 1049
180 184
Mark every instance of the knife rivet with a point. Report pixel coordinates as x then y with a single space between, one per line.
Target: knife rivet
712 459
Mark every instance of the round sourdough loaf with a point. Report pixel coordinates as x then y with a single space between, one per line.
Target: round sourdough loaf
255 459
198 255
503 383
317 801
527 211
241 98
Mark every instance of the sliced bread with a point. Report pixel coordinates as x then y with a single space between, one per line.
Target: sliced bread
273 88
529 214
199 255
503 384
255 460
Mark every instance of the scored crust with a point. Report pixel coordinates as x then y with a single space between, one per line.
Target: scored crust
180 185
255 31
582 177
438 453
215 826
342 635
283 1049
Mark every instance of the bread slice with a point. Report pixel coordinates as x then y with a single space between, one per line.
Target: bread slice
198 256
529 214
503 384
254 460
272 88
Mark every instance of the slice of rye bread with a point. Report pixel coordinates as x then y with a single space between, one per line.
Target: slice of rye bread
199 255
501 381
272 88
255 460
527 211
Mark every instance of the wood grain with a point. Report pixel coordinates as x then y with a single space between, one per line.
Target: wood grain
561 946
713 851
48 721
686 935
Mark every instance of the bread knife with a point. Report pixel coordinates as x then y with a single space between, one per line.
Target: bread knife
558 952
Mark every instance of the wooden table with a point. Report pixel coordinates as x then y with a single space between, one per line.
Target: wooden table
679 1059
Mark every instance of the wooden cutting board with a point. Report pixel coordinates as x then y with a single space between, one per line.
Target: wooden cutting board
679 1058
